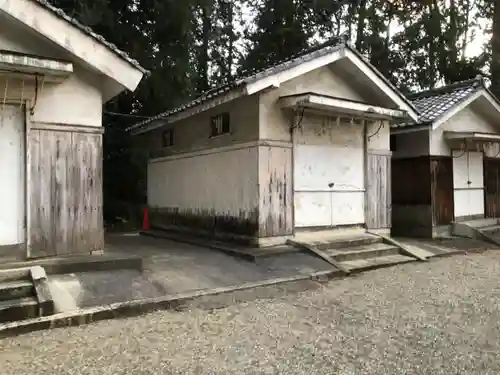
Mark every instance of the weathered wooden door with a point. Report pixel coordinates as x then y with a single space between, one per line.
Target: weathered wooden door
468 184
12 176
65 192
492 187
442 191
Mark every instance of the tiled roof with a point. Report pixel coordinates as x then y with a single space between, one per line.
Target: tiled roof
432 104
249 77
87 30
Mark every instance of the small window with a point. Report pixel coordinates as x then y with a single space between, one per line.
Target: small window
393 142
167 138
219 125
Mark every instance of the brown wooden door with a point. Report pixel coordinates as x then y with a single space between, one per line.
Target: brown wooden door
442 190
491 187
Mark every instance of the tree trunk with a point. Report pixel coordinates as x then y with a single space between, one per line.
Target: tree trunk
495 55
360 42
204 55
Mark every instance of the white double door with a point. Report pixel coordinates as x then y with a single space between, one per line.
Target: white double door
328 185
468 183
12 175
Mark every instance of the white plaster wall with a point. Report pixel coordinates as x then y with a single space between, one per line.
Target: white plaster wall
467 120
12 175
224 181
75 101
412 144
193 133
32 16
378 135
275 123
14 37
202 173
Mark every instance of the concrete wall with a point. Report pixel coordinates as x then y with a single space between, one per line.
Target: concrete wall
207 183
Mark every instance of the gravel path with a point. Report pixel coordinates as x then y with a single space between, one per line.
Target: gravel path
439 317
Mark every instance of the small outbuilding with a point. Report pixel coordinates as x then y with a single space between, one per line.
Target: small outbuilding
446 166
55 75
301 145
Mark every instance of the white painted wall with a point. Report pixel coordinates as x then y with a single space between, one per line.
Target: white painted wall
76 101
59 32
217 174
223 180
15 37
12 203
378 135
275 123
467 120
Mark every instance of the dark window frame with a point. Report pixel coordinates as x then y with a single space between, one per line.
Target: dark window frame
170 138
220 124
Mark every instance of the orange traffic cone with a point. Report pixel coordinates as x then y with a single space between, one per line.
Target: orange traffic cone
145 221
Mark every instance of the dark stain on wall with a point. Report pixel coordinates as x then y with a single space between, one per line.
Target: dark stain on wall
244 224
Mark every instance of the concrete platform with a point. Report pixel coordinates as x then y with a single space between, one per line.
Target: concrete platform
174 267
246 252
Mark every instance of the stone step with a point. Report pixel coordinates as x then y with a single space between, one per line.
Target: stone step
16 289
362 252
345 242
492 229
18 309
359 265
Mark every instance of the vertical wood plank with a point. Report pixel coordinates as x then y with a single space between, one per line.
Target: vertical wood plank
275 191
35 242
378 202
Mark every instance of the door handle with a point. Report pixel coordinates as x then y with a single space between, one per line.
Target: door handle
331 184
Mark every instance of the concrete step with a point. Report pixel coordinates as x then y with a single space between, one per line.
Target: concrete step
362 252
16 289
492 229
479 223
18 309
359 265
346 242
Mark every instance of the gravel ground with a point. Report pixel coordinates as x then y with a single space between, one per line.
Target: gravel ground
439 317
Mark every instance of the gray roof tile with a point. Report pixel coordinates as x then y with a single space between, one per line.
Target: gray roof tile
87 30
432 104
248 77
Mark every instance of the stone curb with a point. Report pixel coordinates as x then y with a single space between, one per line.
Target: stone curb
205 299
